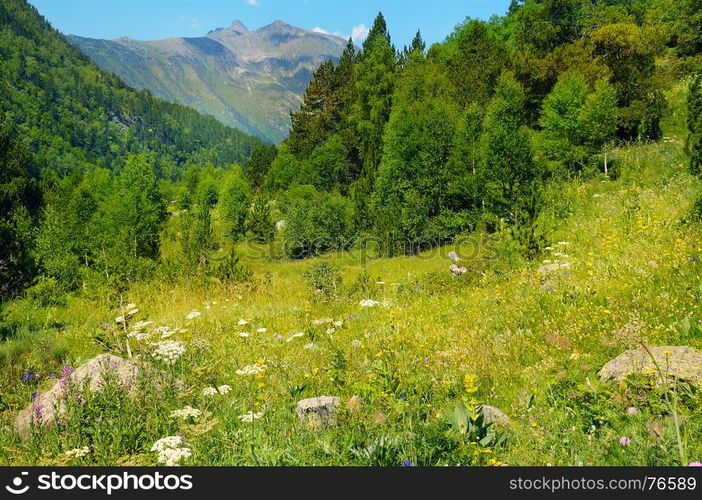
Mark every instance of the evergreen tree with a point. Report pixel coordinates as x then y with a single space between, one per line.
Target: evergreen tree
19 201
375 75
260 162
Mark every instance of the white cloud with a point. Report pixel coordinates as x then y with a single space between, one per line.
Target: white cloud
359 32
251 2
317 29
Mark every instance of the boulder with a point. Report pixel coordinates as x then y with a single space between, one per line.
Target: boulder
682 362
47 406
493 415
317 411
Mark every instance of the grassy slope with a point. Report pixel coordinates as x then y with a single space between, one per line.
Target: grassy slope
534 341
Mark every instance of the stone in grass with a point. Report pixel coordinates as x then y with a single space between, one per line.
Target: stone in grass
317 412
48 405
681 362
493 415
457 270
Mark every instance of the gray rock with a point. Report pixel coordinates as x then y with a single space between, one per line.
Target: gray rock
457 270
90 376
317 411
493 415
682 362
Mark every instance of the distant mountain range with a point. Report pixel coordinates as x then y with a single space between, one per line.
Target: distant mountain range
247 79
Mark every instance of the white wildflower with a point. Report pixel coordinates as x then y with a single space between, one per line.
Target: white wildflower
224 389
78 452
209 391
250 417
243 322
262 330
330 331
339 323
139 336
193 314
252 369
140 325
322 321
356 343
310 346
186 413
368 303
171 450
169 351
243 334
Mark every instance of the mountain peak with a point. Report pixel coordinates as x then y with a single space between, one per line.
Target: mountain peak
237 28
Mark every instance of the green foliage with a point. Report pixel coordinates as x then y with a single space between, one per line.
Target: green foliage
75 114
694 125
316 223
576 122
19 200
260 162
260 223
324 280
415 178
234 204
197 236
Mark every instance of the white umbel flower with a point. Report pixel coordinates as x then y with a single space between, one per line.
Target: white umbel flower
169 351
186 413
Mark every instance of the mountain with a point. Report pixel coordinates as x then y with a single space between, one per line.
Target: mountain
70 113
247 79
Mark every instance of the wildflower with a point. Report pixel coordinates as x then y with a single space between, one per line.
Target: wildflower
354 404
624 441
262 330
339 323
209 391
78 452
243 335
27 376
186 413
169 351
252 370
406 463
356 343
171 450
224 389
250 416
695 464
277 336
242 322
139 336
330 331
379 418
368 303
322 321
193 314
469 383
310 346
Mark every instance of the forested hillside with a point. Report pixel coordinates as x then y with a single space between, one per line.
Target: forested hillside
463 246
63 117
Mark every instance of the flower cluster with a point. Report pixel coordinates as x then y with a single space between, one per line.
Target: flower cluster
212 391
186 413
171 450
255 369
78 452
169 351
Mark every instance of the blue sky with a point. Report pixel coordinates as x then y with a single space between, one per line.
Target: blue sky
156 19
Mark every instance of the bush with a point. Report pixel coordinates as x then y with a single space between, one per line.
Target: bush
317 223
324 280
